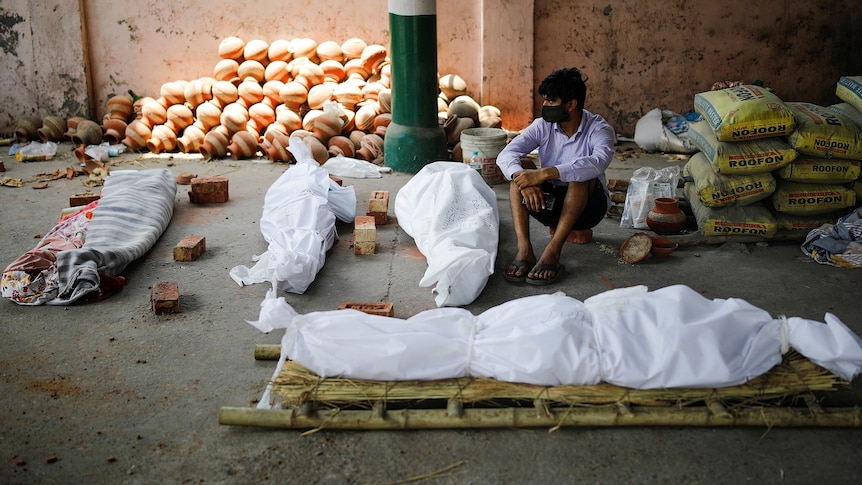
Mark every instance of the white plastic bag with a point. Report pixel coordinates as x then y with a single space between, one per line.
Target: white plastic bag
341 166
645 186
451 213
652 135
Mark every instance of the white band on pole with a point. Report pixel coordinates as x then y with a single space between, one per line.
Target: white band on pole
408 8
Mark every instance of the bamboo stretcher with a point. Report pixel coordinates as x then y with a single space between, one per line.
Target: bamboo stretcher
784 397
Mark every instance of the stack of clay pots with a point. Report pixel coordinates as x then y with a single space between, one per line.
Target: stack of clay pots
335 97
457 111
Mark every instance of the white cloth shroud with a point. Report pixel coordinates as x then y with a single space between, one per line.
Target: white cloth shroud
298 222
672 337
452 215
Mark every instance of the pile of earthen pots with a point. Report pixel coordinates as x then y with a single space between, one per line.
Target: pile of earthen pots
335 97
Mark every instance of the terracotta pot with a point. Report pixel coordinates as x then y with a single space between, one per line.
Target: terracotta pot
662 247
371 90
333 71
320 94
173 92
225 93
72 126
256 50
115 130
309 75
191 140
226 70
308 119
243 144
355 70
180 116
231 48
137 134
329 50
452 85
262 114
280 50
381 122
384 100
305 47
28 128
318 149
341 145
490 117
464 107
120 107
453 126
250 91
289 118
352 48
251 70
163 139
88 132
276 149
666 217
154 111
326 126
234 117
196 92
276 71
372 57
215 144
208 115
365 117
53 128
273 130
293 94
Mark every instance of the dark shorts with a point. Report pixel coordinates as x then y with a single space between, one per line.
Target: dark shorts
594 212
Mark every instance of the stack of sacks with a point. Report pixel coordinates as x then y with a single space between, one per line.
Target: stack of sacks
849 90
741 143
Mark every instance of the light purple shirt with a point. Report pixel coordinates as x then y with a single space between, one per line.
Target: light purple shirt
584 156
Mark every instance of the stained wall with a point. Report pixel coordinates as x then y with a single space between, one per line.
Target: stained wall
638 55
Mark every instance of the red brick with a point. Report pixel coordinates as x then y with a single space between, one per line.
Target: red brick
166 298
577 237
82 199
378 206
190 248
385 309
206 190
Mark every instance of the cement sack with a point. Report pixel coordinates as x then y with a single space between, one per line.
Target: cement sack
804 224
822 132
718 190
652 135
811 199
749 220
849 112
647 184
744 113
849 90
741 157
857 188
818 170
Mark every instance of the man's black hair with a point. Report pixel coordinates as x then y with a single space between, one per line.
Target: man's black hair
567 83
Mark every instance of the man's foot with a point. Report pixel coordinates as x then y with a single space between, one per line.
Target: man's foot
545 274
517 270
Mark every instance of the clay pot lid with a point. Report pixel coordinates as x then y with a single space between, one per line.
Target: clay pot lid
636 248
662 247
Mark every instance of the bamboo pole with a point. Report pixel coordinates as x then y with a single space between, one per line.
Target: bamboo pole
607 416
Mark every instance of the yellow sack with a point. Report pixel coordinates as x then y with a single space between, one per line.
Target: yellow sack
740 157
789 222
849 112
823 132
821 170
744 113
811 199
849 90
719 190
749 220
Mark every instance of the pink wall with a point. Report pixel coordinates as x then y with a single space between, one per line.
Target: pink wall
639 55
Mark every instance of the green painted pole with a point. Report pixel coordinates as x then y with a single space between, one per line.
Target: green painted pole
414 138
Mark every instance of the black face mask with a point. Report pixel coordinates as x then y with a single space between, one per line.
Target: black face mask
555 114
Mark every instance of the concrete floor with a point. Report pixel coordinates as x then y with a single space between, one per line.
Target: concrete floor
111 393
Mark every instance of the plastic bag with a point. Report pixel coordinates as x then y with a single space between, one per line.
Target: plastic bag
663 131
645 186
341 166
36 151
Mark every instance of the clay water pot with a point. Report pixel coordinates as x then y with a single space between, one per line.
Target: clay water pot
371 90
352 48
320 94
365 117
88 132
114 130
318 149
453 126
371 147
372 57
234 117
120 107
53 128
28 128
293 94
191 140
251 70
490 117
72 126
276 71
310 74
215 144
226 70
137 134
340 145
288 118
250 91
325 126
276 149
180 116
280 50
384 100
333 71
666 217
305 47
154 112
262 114
271 131
355 137
243 144
163 139
256 50
452 85
225 93
381 122
196 92
308 119
464 107
173 92
208 115
662 247
348 94
231 48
